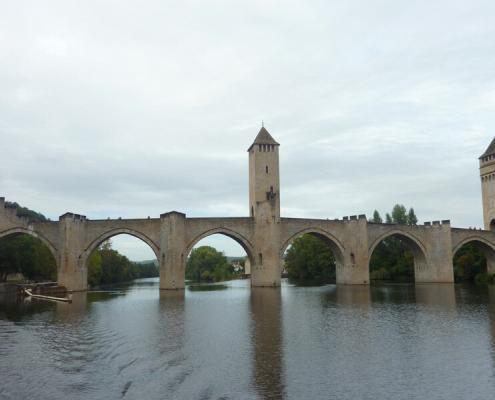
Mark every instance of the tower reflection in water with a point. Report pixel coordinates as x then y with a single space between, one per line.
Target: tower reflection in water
266 319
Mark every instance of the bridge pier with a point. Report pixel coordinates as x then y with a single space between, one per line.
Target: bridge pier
490 263
353 264
72 273
438 265
266 266
172 251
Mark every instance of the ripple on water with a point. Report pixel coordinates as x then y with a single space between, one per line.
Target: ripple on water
389 342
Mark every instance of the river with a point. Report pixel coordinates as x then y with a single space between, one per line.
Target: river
236 342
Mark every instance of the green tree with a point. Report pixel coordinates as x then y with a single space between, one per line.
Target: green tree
95 271
206 264
411 217
399 214
31 215
388 219
469 264
310 261
9 262
377 219
27 255
392 259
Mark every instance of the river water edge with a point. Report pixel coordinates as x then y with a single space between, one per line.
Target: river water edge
231 341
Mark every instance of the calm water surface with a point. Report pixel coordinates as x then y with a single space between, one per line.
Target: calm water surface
234 342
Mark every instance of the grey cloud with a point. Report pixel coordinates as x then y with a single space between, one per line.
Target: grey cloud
116 110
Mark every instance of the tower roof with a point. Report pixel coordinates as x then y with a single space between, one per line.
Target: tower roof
264 137
490 150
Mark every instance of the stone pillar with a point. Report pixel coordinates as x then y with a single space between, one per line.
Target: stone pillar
266 266
172 251
490 258
490 262
72 273
439 262
354 268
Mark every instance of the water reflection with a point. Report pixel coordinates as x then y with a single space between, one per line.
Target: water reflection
156 376
358 297
266 339
343 342
206 287
440 295
392 293
69 312
17 308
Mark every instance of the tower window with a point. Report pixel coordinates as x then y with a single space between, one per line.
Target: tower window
261 258
266 169
259 147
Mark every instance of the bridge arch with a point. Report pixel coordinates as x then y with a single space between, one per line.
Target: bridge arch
236 236
413 243
334 244
483 245
477 240
33 233
114 232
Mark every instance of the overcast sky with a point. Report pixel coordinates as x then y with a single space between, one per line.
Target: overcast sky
135 108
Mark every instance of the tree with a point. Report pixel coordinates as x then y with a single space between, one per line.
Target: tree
206 264
469 264
95 271
377 219
33 216
310 261
27 255
411 217
388 219
8 258
399 214
392 259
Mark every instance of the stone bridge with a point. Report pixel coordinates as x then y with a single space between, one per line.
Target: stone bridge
73 238
264 235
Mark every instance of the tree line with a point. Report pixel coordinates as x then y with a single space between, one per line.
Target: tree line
107 266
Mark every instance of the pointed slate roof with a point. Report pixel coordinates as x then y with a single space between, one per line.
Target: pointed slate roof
264 137
489 150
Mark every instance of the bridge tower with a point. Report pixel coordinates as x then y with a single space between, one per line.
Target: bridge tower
264 208
487 173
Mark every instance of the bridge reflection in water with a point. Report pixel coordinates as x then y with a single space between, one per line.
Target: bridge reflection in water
266 339
387 341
